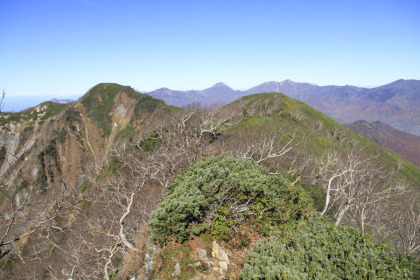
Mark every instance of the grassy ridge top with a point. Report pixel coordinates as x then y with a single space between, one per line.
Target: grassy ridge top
322 132
39 113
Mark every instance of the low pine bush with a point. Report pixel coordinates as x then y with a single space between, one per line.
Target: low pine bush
321 250
221 192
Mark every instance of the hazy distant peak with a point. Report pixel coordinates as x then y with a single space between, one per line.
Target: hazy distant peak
61 101
272 83
287 82
220 85
164 89
279 83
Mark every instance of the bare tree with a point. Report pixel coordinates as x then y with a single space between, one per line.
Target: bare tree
354 185
19 221
3 95
405 224
264 143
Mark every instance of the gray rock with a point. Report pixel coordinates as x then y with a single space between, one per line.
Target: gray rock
177 270
217 252
202 254
223 265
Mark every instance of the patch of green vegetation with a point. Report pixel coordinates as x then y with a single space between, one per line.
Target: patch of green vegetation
52 109
99 102
262 104
60 135
110 168
41 181
318 249
3 194
149 144
86 186
22 185
29 128
174 254
222 223
50 174
48 109
226 191
50 149
317 194
125 133
146 104
85 204
6 264
72 116
2 154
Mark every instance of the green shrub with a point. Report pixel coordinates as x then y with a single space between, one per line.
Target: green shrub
50 149
29 128
86 186
150 143
52 109
61 135
22 185
41 181
320 250
2 153
225 191
146 104
221 223
72 116
125 133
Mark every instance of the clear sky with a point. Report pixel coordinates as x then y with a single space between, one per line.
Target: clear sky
58 47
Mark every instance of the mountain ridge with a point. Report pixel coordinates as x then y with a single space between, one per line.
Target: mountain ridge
105 160
396 103
405 144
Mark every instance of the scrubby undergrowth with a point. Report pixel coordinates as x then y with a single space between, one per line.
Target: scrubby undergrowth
320 250
218 194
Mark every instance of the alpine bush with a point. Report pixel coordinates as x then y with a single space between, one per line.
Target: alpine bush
223 191
321 250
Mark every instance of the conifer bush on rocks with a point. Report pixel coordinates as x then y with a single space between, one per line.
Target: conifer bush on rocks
218 193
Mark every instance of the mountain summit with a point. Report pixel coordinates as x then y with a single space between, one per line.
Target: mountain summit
220 85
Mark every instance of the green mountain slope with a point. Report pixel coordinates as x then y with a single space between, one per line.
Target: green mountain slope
275 110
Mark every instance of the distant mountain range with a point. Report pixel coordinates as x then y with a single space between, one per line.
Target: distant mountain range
397 103
17 103
61 101
404 144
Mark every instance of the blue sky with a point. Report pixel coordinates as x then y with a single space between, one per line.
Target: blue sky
68 46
